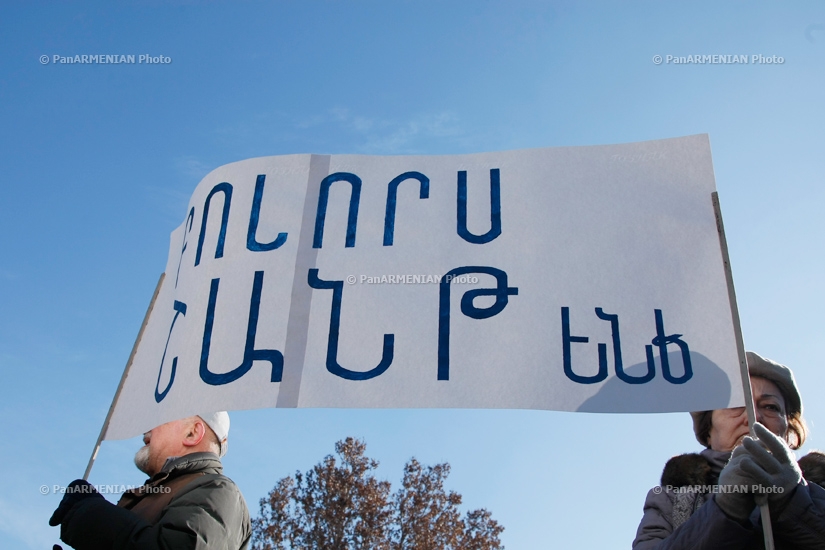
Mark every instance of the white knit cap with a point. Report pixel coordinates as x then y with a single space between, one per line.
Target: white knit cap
219 423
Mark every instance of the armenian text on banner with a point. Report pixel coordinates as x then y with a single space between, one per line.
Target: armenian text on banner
570 278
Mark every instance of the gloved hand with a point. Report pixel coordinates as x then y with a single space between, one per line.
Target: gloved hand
737 505
77 490
771 464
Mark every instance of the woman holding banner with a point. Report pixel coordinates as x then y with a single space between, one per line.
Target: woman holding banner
711 499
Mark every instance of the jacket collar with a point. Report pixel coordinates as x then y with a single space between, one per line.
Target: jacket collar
716 459
194 462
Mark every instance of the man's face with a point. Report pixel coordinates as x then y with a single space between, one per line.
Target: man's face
159 444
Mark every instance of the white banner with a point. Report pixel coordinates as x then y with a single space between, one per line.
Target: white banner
570 278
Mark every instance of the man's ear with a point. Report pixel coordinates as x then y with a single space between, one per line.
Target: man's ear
195 432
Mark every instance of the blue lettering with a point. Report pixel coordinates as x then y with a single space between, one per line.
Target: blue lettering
392 192
495 209
251 242
226 189
617 352
501 293
180 309
190 219
337 288
323 198
566 340
250 354
661 341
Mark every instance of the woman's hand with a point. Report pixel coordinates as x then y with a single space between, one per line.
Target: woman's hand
771 465
734 503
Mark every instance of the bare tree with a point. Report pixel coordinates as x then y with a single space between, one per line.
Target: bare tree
427 516
340 505
335 507
481 531
274 529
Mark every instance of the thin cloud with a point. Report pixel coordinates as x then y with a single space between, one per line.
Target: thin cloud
405 137
173 199
301 132
392 136
814 30
192 167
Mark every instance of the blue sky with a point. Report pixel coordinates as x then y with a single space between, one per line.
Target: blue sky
99 162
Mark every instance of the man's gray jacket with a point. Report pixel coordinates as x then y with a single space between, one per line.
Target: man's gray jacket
189 504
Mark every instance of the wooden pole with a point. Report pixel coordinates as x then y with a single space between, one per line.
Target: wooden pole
767 528
123 379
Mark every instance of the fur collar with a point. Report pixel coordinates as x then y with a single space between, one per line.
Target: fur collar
703 468
694 469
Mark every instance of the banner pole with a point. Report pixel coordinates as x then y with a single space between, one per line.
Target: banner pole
123 378
767 528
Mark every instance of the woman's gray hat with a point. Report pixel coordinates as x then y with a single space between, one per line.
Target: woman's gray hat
769 370
779 375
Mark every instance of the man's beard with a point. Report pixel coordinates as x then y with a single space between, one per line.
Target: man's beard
142 459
